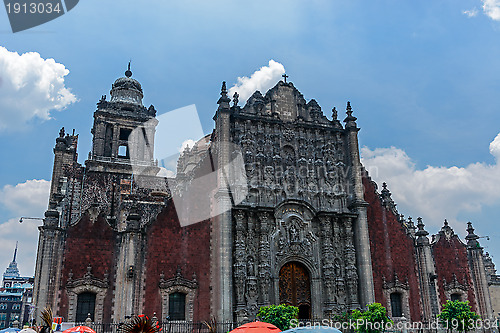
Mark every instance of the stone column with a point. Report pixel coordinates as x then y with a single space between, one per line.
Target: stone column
129 270
358 205
426 273
222 245
480 282
48 263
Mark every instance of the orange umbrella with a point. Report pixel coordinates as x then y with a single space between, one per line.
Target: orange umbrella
79 329
256 327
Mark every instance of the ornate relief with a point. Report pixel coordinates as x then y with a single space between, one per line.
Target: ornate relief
456 288
240 258
296 240
350 261
265 257
284 162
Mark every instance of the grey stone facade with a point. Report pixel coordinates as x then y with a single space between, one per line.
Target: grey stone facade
304 204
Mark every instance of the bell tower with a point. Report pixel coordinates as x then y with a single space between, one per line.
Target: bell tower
124 129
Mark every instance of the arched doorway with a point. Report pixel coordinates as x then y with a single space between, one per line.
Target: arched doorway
295 288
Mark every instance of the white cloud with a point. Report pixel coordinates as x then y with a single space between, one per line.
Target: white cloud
492 9
435 193
24 199
30 87
263 79
189 143
495 147
471 13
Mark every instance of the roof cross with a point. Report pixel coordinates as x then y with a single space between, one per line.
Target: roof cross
284 76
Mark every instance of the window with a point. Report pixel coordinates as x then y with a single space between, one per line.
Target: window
397 309
16 306
177 306
124 133
123 151
85 305
3 306
455 297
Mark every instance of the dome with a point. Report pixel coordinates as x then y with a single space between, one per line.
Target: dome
127 90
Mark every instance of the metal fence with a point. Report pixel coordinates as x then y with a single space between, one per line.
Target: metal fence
170 327
224 327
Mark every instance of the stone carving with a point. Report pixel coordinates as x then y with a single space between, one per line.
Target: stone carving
240 268
87 283
179 284
251 295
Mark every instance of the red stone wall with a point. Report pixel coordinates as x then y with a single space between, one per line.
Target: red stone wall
450 257
94 244
170 246
392 250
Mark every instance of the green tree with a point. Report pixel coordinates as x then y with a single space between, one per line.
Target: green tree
372 320
278 315
458 315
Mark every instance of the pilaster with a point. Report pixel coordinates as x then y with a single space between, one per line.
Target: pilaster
129 270
358 205
479 279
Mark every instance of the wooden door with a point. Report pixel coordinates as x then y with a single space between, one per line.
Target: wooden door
295 288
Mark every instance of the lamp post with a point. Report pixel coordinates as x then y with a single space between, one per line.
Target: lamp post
29 218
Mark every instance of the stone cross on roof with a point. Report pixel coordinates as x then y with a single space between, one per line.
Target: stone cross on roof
284 76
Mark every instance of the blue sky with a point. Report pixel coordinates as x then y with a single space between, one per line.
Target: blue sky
422 77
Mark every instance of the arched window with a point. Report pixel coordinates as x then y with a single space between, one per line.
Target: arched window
396 305
177 306
85 305
456 297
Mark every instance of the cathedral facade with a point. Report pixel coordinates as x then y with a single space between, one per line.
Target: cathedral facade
306 226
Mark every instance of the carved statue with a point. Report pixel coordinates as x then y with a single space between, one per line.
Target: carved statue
294 234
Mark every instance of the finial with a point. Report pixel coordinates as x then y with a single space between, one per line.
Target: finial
350 119
235 99
348 109
128 72
470 229
420 225
334 113
472 237
178 271
61 132
385 192
223 100
446 222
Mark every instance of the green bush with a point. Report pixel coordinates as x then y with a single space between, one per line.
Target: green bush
458 315
372 320
278 315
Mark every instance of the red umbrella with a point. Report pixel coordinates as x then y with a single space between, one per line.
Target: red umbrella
79 329
256 327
